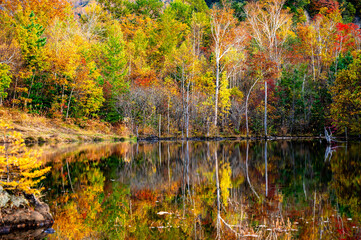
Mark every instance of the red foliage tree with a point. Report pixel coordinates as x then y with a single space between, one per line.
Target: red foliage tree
348 37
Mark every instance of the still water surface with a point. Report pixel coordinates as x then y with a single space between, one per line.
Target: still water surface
206 190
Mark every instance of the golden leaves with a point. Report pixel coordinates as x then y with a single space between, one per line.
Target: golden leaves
19 168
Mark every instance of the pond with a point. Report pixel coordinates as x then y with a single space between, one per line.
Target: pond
206 190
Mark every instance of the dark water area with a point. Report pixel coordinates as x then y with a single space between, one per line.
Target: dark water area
206 190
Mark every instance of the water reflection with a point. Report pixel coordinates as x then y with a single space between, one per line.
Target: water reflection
202 190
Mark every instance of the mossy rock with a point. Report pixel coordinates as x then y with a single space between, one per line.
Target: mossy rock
4 197
17 201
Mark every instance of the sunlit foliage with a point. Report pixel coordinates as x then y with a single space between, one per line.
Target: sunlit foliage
178 68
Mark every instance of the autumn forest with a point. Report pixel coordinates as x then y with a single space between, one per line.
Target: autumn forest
186 68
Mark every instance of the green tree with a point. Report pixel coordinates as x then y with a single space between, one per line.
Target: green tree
346 106
5 80
31 41
114 70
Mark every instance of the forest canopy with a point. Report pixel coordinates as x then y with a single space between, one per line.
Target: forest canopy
190 68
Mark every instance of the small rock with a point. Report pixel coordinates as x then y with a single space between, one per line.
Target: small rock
4 198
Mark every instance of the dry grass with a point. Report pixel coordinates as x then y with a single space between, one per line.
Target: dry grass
36 127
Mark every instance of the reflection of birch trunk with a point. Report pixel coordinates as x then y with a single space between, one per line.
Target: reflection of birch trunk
67 166
265 162
304 187
168 166
187 169
62 179
249 182
218 198
160 152
183 180
303 178
328 153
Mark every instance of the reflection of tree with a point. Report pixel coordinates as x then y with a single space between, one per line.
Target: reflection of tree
76 214
346 180
115 212
248 179
200 187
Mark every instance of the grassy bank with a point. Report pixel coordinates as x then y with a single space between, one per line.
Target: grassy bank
36 128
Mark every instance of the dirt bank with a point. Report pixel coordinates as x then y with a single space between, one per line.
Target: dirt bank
39 129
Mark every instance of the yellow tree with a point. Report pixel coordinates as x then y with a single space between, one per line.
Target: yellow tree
86 94
138 33
64 59
46 10
20 171
9 54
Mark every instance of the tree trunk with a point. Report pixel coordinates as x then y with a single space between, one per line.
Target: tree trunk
168 113
265 110
16 85
183 110
160 124
187 111
217 90
160 151
249 92
62 97
31 85
67 110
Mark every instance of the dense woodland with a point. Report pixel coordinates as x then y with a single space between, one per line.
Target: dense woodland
190 68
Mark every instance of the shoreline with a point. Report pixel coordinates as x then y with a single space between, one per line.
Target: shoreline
41 130
219 138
